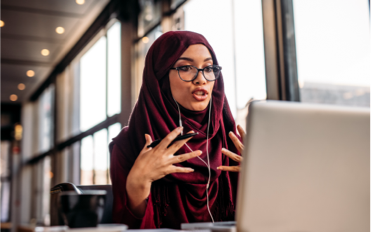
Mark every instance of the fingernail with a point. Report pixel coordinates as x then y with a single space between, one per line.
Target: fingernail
191 169
180 128
200 152
218 168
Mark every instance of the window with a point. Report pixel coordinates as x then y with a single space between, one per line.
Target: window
333 51
5 181
46 104
95 159
149 16
100 98
94 74
234 30
114 70
93 85
142 46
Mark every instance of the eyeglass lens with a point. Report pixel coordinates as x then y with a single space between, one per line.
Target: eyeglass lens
188 73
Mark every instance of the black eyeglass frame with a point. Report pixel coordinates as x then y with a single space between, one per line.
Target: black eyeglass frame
197 72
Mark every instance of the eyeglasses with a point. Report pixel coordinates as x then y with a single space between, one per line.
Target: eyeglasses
189 73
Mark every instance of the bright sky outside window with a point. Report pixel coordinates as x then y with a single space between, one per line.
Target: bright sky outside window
249 51
204 17
333 51
93 85
100 156
86 161
114 130
114 69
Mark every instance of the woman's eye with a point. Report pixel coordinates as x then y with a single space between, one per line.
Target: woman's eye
185 68
208 69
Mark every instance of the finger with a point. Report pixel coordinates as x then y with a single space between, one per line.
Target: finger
169 138
178 144
184 157
241 132
239 145
175 169
232 155
229 168
148 142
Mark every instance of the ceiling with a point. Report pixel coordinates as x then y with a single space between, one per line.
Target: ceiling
29 27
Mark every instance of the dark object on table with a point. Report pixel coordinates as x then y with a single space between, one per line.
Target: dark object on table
56 191
84 209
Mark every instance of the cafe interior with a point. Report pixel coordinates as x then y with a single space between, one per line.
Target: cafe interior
71 72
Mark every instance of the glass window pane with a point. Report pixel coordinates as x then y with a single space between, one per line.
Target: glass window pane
47 176
114 69
5 201
114 130
86 161
141 50
4 159
100 157
46 104
333 51
219 34
249 56
149 16
249 49
93 85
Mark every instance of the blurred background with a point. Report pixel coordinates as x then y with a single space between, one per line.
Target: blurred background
71 72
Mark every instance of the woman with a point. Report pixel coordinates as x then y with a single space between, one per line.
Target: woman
166 185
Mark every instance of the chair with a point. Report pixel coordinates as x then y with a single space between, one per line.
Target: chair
55 215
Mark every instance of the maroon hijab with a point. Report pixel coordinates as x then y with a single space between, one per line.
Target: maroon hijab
182 197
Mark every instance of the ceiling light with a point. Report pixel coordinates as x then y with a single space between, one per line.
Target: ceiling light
2 23
30 73
21 86
18 132
45 52
145 40
60 30
13 97
80 2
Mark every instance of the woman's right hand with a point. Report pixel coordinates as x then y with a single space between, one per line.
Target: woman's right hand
153 164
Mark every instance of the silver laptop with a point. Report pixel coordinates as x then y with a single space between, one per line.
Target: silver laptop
306 167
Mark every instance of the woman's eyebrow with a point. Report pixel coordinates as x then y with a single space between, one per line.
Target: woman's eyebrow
186 58
189 59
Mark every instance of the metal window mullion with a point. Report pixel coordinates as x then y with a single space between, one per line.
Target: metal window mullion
270 49
106 75
107 158
289 55
107 56
280 50
94 161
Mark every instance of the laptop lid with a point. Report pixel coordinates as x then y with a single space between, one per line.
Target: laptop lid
305 168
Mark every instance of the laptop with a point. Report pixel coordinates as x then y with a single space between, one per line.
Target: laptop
306 167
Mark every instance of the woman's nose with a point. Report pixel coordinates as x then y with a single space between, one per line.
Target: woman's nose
200 80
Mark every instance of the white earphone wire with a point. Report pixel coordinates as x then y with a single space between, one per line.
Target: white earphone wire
206 163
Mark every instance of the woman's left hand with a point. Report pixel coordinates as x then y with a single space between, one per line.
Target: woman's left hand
239 145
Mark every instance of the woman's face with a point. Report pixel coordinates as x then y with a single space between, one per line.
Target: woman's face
193 95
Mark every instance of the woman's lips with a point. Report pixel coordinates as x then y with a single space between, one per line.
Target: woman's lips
200 95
